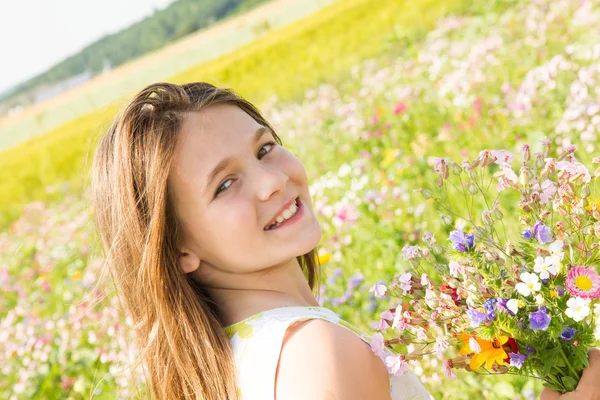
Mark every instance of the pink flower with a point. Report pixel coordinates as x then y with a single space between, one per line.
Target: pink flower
502 156
378 290
396 365
411 252
455 268
405 281
448 369
400 108
583 282
377 343
441 344
575 169
387 315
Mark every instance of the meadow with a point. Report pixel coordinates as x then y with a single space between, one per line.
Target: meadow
371 127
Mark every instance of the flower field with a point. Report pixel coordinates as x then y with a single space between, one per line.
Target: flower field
492 80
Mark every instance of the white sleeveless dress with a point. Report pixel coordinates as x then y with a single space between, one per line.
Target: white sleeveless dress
257 341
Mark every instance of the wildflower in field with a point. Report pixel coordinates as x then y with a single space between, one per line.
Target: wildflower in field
513 306
396 364
567 334
540 319
377 343
477 317
583 282
517 359
578 308
542 233
405 282
378 290
490 351
530 283
460 241
546 266
411 252
527 234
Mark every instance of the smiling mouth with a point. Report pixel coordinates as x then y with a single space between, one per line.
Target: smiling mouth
275 225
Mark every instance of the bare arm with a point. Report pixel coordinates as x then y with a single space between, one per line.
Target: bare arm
325 361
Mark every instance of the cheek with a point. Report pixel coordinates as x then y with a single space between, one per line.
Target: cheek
231 219
294 167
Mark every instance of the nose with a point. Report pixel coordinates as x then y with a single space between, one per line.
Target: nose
269 180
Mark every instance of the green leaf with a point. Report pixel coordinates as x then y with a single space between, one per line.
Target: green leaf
553 387
550 358
569 382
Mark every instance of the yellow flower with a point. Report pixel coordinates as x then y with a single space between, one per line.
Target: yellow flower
490 351
322 258
76 276
591 204
389 156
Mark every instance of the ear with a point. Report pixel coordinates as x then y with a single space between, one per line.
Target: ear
188 261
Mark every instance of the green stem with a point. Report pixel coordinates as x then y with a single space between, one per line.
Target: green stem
575 374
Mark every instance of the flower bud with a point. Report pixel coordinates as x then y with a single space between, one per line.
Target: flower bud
539 163
472 173
426 193
456 169
446 219
472 188
585 192
498 214
524 177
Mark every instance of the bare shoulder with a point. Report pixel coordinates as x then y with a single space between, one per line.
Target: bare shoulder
325 361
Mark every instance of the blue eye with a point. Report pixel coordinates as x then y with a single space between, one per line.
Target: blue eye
223 185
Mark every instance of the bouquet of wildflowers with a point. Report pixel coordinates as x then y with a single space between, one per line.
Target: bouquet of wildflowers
516 294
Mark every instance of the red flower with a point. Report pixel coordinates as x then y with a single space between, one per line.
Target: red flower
510 344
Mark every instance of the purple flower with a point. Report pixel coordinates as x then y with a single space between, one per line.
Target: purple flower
560 290
489 306
501 304
529 350
333 278
355 280
542 233
567 334
539 320
517 359
477 317
460 241
527 234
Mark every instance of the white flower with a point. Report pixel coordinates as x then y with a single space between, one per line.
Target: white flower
556 248
474 346
539 299
531 283
546 266
513 305
597 309
579 308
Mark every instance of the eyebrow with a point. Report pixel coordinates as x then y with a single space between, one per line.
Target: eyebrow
224 163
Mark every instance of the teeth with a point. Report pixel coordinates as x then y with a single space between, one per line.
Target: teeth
287 214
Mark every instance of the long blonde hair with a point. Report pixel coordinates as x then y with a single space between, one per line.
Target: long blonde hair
184 348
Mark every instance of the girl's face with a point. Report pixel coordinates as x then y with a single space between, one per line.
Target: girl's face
223 212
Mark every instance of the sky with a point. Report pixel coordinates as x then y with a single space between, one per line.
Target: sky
37 34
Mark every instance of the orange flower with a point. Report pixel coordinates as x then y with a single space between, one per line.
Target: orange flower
490 351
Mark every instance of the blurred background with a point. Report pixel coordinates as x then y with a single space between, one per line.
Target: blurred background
366 93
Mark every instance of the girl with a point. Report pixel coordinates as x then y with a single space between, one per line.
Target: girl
208 228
